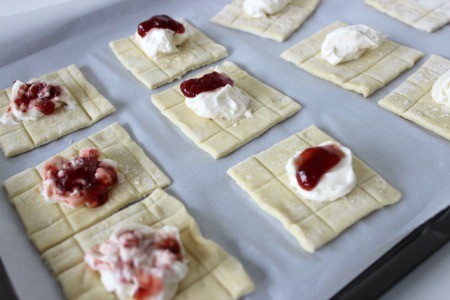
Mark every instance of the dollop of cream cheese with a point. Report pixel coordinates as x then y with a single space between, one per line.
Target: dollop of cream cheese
263 8
336 183
15 116
226 103
162 41
131 260
349 43
441 90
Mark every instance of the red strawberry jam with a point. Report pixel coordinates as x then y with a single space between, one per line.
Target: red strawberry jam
39 95
81 180
171 244
150 286
314 162
161 22
209 82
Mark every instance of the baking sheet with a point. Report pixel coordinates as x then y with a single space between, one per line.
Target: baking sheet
408 254
410 158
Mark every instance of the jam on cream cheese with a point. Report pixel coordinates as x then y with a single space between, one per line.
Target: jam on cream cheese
161 35
34 100
322 173
214 96
263 8
349 43
140 262
441 90
80 180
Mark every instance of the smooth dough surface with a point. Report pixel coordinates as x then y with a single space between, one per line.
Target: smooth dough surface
428 15
373 70
313 224
197 51
90 107
277 27
212 274
47 224
218 137
412 99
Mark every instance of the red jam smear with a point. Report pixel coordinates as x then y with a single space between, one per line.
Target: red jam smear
149 286
161 22
314 162
209 82
38 95
79 174
170 244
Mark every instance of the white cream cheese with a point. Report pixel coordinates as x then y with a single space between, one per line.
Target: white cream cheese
263 8
16 115
134 260
349 43
441 90
227 103
162 41
337 182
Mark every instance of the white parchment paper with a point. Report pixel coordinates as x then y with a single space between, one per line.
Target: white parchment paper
410 158
15 7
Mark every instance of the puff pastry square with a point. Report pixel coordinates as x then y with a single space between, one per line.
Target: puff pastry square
277 27
412 99
313 224
90 107
373 70
427 15
218 137
212 272
47 224
197 51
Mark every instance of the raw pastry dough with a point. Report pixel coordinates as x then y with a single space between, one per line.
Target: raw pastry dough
91 107
412 99
312 223
48 224
212 272
373 70
218 137
428 15
198 51
277 27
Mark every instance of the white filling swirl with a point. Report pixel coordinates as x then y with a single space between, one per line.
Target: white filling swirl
441 90
349 43
131 260
336 183
227 103
263 8
162 41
